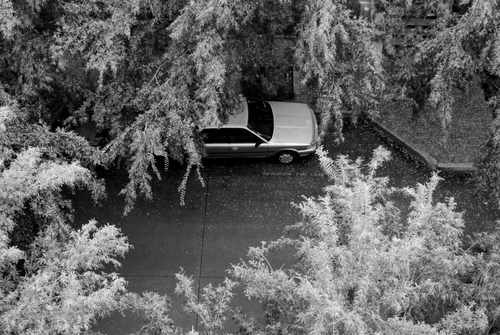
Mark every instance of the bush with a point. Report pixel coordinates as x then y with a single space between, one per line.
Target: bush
356 275
362 268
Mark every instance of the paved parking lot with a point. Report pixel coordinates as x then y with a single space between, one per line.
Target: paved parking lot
244 202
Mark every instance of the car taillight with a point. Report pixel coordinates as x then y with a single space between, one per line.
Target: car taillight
316 139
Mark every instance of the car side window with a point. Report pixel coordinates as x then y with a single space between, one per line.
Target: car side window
214 136
240 135
228 135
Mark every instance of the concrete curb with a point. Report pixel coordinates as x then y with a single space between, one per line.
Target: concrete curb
421 156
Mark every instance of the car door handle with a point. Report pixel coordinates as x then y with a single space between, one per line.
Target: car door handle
234 148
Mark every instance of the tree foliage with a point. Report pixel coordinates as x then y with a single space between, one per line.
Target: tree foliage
150 74
462 46
53 280
359 266
436 50
65 288
362 268
339 58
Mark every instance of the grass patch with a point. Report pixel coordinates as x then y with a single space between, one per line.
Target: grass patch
468 131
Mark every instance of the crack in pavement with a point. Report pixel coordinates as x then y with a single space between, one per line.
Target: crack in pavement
203 232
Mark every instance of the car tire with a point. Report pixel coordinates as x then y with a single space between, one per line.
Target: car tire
286 157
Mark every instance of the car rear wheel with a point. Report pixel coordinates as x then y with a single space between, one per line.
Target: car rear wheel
286 157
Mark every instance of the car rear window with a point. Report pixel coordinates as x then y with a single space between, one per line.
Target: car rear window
260 118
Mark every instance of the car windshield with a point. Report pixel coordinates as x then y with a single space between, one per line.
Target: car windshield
260 119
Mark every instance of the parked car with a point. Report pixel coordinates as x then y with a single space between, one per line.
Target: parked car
284 130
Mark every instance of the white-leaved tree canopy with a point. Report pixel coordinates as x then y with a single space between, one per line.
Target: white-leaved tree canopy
53 280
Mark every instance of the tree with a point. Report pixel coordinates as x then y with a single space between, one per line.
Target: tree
150 74
65 289
361 267
459 47
464 47
53 280
339 59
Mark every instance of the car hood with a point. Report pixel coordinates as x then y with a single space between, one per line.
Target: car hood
293 123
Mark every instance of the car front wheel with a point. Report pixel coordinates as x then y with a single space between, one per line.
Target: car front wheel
286 157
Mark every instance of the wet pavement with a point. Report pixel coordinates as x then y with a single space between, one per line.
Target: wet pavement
244 202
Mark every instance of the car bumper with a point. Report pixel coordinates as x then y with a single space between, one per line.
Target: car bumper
316 140
307 152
